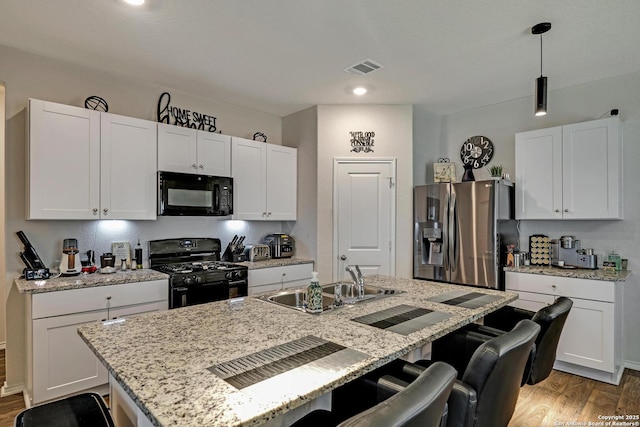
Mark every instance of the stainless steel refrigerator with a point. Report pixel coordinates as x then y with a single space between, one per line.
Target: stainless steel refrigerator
462 230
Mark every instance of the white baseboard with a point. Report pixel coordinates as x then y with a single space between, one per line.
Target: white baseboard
631 365
8 391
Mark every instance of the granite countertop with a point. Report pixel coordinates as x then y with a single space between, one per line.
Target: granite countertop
87 281
161 359
279 262
576 273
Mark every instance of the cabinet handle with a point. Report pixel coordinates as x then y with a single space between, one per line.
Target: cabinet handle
194 166
268 213
566 210
557 210
201 166
95 211
264 214
105 211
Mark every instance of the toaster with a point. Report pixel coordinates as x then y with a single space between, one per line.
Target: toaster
257 252
282 245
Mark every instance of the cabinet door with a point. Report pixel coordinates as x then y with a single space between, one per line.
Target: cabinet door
539 174
214 154
282 176
588 335
248 168
62 361
128 184
63 162
177 149
591 180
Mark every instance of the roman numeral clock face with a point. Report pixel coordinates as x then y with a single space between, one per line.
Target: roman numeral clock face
476 151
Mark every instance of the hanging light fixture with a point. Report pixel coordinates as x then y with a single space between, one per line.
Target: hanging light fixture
541 82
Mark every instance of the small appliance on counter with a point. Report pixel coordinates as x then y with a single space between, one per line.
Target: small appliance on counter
107 263
567 253
89 264
257 252
281 245
70 264
235 250
35 268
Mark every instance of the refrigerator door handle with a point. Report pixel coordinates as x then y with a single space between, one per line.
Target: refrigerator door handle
445 238
451 231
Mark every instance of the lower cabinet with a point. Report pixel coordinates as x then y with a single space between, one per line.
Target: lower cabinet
59 361
590 344
279 278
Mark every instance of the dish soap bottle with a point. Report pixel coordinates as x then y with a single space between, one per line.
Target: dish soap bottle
314 295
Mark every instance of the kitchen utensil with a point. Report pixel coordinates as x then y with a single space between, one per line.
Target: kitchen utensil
235 250
70 263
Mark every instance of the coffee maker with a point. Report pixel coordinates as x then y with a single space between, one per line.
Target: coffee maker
567 252
70 263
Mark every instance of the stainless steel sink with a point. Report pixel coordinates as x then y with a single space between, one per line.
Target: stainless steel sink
296 298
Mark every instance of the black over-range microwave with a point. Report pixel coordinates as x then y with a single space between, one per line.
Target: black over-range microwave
194 195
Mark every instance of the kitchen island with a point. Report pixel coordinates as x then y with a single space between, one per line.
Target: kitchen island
166 362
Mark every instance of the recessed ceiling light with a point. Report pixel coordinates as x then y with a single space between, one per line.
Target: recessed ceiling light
360 91
135 2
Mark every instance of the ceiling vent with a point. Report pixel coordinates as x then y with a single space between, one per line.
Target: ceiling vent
366 66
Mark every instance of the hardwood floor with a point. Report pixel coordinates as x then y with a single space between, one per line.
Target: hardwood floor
10 406
561 398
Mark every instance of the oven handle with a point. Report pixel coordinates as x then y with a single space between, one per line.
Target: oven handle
218 283
181 289
237 283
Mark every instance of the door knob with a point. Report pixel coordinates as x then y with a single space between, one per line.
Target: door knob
343 257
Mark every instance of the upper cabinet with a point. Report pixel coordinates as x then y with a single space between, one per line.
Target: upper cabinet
264 181
570 172
83 164
194 151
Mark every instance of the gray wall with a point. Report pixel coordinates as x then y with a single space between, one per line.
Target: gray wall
575 104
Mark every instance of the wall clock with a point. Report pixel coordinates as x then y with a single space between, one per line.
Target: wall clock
476 151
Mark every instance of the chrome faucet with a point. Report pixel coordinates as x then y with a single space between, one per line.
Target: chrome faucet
358 281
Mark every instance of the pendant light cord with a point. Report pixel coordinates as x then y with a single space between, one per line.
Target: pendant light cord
541 55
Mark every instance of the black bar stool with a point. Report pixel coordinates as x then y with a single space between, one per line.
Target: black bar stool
83 410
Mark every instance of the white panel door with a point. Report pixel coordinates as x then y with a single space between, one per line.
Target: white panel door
364 217
539 174
128 184
214 154
591 161
282 177
248 168
63 179
177 149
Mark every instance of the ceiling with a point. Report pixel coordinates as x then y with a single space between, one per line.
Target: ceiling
281 56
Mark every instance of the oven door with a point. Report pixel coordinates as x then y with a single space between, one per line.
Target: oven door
194 195
185 295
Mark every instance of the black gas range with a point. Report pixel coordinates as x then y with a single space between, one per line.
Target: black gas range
196 274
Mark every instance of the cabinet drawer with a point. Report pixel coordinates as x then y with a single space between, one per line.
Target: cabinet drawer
287 273
597 290
532 301
96 298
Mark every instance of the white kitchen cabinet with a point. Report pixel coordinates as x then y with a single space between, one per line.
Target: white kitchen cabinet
186 150
570 172
279 278
83 164
58 360
264 181
590 344
128 172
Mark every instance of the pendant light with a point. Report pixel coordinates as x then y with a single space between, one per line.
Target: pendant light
541 82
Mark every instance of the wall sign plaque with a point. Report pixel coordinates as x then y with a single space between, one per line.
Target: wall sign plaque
362 141
183 117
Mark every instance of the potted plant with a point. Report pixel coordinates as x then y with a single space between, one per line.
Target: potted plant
495 171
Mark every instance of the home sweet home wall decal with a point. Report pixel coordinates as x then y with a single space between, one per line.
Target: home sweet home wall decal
362 141
183 117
